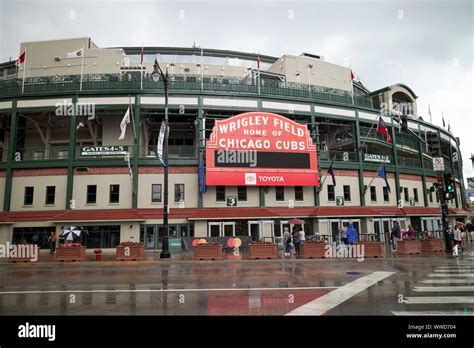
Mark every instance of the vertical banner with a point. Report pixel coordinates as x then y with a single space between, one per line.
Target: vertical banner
164 128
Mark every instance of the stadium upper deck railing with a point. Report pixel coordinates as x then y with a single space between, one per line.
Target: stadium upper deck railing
116 83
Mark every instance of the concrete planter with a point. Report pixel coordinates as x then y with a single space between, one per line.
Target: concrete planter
432 244
409 247
262 251
313 250
75 253
208 252
372 249
130 253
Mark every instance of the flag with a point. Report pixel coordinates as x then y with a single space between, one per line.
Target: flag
258 62
449 127
429 113
442 116
353 77
123 124
331 172
21 59
76 54
141 57
159 146
382 129
202 177
383 174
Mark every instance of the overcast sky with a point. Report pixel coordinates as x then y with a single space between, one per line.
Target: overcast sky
427 45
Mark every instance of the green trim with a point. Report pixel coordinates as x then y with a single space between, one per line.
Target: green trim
360 164
423 175
10 158
71 156
395 161
201 149
136 143
315 137
261 191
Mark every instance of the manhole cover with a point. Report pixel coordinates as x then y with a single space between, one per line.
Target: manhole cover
353 273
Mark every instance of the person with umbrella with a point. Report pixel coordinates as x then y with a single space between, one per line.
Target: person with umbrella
72 234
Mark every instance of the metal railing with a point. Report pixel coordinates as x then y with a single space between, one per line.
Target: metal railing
342 156
127 83
173 151
38 154
409 162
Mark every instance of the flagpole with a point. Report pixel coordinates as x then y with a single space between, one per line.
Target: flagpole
24 71
202 69
368 133
258 70
141 68
371 181
82 66
132 117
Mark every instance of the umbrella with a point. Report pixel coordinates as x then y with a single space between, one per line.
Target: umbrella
72 233
296 222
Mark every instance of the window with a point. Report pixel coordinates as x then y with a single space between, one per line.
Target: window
331 193
91 194
431 196
50 194
156 193
373 194
178 193
114 193
299 193
415 194
29 192
405 193
220 193
279 193
347 193
386 196
242 193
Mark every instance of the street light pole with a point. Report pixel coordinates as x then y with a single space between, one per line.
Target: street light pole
165 252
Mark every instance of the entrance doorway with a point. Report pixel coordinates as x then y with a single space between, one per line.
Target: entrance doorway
262 230
337 225
221 229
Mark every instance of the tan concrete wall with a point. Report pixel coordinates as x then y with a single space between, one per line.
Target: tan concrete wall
379 183
40 58
411 184
103 183
209 198
308 196
190 182
352 181
200 228
6 234
39 183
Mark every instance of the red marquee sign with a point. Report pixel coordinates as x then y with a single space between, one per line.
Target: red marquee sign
260 149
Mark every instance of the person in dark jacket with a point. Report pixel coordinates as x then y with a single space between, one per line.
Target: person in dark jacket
395 235
352 235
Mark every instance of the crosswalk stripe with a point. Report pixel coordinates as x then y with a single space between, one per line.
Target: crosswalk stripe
443 288
453 270
447 281
447 275
438 299
325 303
437 313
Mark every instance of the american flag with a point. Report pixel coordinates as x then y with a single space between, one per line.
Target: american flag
382 129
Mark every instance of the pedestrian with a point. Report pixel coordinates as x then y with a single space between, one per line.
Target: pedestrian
52 243
411 232
296 239
302 237
352 235
470 229
395 235
457 241
287 241
344 234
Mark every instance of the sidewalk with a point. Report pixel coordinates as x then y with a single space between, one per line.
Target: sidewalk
108 257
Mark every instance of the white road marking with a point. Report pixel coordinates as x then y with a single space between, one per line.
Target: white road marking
453 270
72 291
440 313
447 281
439 299
448 275
443 288
325 303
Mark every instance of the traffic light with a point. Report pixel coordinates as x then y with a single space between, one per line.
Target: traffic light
404 123
449 186
432 140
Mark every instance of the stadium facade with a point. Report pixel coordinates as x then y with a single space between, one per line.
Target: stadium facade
62 163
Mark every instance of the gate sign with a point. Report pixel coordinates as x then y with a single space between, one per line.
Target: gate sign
260 149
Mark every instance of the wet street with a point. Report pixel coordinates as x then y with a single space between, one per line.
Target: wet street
436 284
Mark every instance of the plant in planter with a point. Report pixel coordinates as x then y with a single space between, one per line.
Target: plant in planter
262 250
409 246
432 244
208 251
130 251
372 248
71 252
313 249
